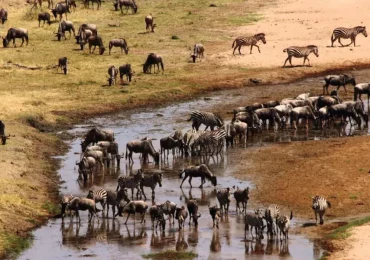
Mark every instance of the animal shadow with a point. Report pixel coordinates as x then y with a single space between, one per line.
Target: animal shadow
296 66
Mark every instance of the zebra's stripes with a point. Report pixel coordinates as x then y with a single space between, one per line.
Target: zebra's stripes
211 141
208 119
300 52
98 196
347 33
319 205
131 182
248 41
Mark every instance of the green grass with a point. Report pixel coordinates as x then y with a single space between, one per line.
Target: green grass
51 208
344 231
171 254
15 244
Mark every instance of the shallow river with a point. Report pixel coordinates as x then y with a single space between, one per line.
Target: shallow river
110 239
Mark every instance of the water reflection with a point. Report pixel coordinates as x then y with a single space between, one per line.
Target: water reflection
215 242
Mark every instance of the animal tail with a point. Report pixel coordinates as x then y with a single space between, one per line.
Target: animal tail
329 204
285 50
189 119
233 43
180 175
291 215
162 65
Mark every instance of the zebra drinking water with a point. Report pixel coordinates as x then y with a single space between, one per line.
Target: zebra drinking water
208 119
300 52
248 41
319 205
347 33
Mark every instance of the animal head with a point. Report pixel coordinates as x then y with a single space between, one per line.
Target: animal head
220 122
261 36
363 30
101 51
195 219
159 179
193 56
5 42
54 11
156 157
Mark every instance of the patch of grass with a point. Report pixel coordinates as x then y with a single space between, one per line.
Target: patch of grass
51 208
175 37
343 231
15 244
353 197
246 19
171 254
324 256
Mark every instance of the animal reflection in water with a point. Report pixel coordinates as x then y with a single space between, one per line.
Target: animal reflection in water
215 242
273 247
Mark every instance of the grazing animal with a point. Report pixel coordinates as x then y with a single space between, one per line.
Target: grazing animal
300 52
77 204
87 3
14 33
119 43
43 17
131 182
169 208
250 108
328 101
63 27
153 59
128 4
2 133
241 129
168 143
230 134
198 52
250 118
98 156
98 196
223 197
181 214
337 80
190 141
319 205
64 200
241 196
82 38
125 70
149 19
359 108
270 114
60 8
133 207
63 64
248 41
156 214
254 220
283 223
96 41
96 135
303 96
324 117
284 112
151 181
211 141
271 214
343 111
4 15
346 33
88 26
141 146
301 112
201 171
112 149
215 213
193 211
113 72
208 119
87 164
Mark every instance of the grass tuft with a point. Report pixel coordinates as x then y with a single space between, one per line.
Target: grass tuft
16 244
343 231
171 254
51 208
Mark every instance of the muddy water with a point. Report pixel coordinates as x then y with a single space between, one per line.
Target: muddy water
110 239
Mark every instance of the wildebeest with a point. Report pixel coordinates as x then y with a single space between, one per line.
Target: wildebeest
128 4
338 80
44 17
63 27
215 213
84 32
113 72
141 146
96 41
241 196
2 133
223 197
328 101
359 108
255 221
149 23
193 211
3 15
343 111
168 143
272 103
95 135
60 8
85 166
301 112
125 70
284 112
87 3
78 204
250 118
169 208
201 171
181 214
198 52
283 223
152 59
63 64
15 33
88 26
121 42
362 88
156 214
270 114
132 207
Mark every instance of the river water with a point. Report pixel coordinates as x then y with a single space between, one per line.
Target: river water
109 238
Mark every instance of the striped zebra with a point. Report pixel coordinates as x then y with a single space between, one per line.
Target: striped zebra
151 181
131 182
319 205
206 118
114 198
346 33
98 196
248 41
212 141
271 214
301 52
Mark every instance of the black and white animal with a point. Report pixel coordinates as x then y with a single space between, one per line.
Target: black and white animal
144 147
223 197
4 15
60 9
151 181
319 205
156 214
248 41
201 171
131 182
215 213
150 25
121 42
43 17
128 4
169 208
241 196
98 196
14 33
347 33
211 142
77 204
208 119
63 64
181 214
254 220
65 26
192 206
152 60
125 70
96 135
271 214
283 223
198 52
114 199
338 81
113 72
133 207
96 41
300 52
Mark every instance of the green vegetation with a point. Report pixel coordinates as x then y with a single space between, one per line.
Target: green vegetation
15 244
171 254
344 231
51 208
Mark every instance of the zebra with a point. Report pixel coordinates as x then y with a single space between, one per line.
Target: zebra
319 205
114 198
208 119
271 214
131 182
98 196
211 141
346 33
151 181
248 41
300 52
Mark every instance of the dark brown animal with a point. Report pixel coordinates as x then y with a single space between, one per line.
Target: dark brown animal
63 64
96 41
149 23
14 33
153 59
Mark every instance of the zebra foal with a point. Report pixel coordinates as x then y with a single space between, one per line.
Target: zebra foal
319 205
347 33
248 41
300 52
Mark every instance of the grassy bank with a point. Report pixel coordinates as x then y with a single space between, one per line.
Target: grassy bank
171 254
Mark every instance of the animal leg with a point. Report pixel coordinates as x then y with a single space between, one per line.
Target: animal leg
190 177
128 217
285 61
340 42
183 180
239 50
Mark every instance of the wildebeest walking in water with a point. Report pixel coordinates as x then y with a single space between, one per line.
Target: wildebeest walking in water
3 15
153 59
125 70
15 33
63 64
